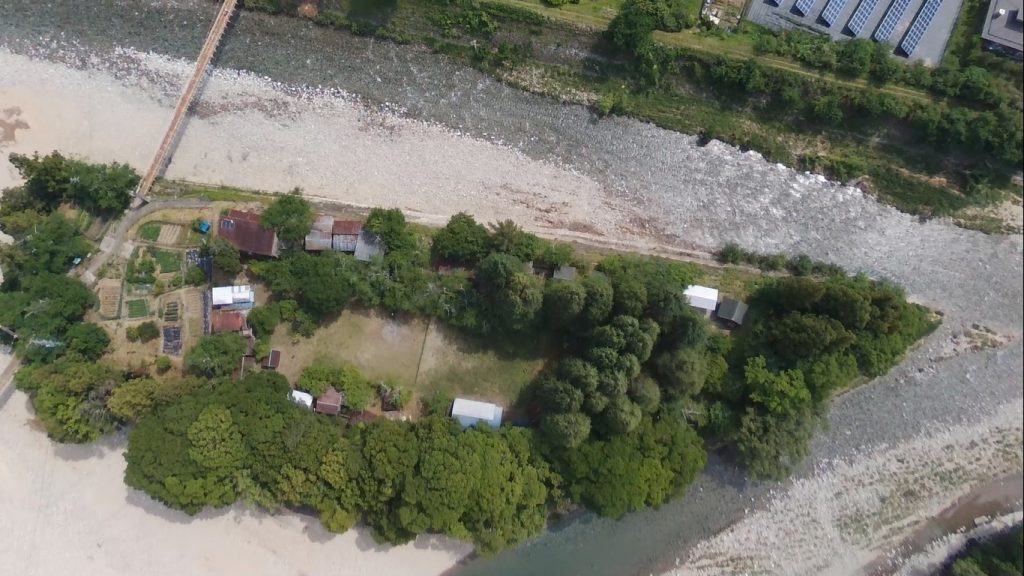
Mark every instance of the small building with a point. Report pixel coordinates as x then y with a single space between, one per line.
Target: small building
345 235
320 235
565 274
471 412
302 398
232 297
226 321
732 312
329 402
272 361
244 231
702 298
1003 30
369 246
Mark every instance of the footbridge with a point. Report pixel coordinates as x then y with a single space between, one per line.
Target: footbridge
163 153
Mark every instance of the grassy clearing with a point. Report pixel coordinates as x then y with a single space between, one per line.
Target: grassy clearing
210 193
137 308
150 231
167 260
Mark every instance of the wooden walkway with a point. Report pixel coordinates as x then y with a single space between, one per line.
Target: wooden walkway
202 63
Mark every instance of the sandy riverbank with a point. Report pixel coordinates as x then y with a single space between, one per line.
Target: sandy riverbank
65 509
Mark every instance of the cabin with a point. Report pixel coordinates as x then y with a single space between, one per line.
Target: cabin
732 312
227 321
320 235
272 361
472 412
345 235
329 402
702 298
232 297
243 230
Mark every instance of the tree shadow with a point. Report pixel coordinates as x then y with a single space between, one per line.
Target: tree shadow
372 13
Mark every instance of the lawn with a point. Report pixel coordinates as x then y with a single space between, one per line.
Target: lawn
169 261
150 231
386 348
137 308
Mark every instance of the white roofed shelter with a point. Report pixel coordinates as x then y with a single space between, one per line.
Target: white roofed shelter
471 412
702 298
302 399
232 296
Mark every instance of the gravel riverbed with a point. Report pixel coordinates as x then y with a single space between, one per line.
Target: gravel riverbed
369 123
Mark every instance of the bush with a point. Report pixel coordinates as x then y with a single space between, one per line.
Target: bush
162 364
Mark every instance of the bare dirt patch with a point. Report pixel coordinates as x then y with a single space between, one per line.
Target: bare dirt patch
109 294
169 234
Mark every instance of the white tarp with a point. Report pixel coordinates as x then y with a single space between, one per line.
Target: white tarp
227 295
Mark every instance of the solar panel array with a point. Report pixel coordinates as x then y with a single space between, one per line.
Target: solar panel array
832 10
891 19
804 6
920 26
861 15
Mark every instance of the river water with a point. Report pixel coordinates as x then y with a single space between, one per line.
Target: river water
692 196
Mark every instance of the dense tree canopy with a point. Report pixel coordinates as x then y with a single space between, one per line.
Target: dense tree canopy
290 215
462 241
99 188
216 355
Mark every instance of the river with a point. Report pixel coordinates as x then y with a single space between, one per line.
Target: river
689 196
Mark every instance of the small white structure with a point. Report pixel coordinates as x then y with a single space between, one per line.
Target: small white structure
702 298
472 412
232 297
302 399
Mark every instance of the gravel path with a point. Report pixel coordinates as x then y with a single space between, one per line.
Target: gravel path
394 126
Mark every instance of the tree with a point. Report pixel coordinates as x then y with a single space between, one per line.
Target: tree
98 188
567 430
600 299
508 238
195 276
290 215
226 257
558 395
88 340
216 355
215 441
771 445
162 364
462 240
645 393
681 372
148 331
563 303
512 296
392 229
620 417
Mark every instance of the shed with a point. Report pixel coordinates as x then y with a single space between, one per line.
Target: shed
732 312
702 298
369 246
565 273
472 412
272 361
232 297
330 401
345 235
226 321
318 241
302 398
244 231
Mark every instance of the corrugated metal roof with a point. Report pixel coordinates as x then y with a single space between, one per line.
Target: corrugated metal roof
702 297
323 223
226 321
353 227
318 240
244 231
368 246
470 412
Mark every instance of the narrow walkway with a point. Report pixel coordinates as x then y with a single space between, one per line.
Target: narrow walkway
202 63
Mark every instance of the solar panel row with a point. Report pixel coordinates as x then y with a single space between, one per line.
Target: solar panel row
861 15
804 6
832 10
891 19
920 26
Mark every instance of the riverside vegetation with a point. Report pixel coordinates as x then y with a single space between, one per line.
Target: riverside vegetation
929 141
636 385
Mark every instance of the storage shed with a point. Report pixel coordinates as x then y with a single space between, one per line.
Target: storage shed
702 298
471 412
732 312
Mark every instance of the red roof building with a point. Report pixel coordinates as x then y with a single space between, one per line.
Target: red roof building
243 229
226 321
346 235
329 402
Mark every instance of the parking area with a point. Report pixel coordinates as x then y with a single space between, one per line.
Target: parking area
918 30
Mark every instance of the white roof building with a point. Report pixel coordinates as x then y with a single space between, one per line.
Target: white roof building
702 297
232 295
471 412
302 399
